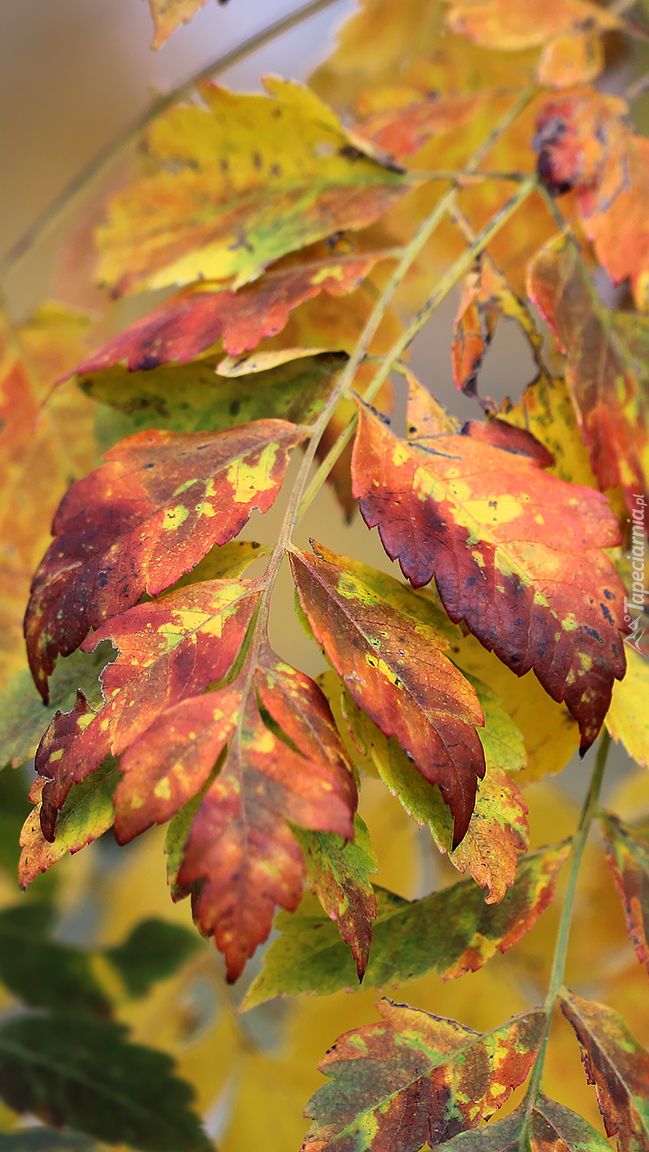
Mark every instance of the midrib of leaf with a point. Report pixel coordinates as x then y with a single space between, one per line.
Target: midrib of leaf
38 1059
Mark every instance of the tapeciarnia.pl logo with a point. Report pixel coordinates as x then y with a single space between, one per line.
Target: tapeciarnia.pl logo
634 603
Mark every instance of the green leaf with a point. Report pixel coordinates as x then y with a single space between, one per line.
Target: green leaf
42 972
154 950
193 398
339 873
23 715
85 1074
450 932
550 1128
14 810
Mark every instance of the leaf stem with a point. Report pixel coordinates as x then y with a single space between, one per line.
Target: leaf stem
559 962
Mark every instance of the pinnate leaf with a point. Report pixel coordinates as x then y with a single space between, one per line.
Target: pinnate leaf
627 855
238 183
451 932
169 649
187 324
394 668
85 1074
339 872
606 381
142 520
416 1079
240 857
516 554
618 1067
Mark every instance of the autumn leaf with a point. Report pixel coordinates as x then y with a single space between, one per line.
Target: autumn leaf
485 298
514 24
618 1067
168 15
609 396
546 1127
142 520
415 1078
585 146
395 669
187 324
169 650
265 199
240 855
451 932
534 559
627 855
402 131
546 410
339 872
85 815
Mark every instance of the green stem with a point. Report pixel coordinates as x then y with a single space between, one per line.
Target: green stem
559 962
445 284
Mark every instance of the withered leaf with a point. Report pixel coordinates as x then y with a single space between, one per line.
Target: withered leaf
546 1127
627 855
394 668
516 554
142 520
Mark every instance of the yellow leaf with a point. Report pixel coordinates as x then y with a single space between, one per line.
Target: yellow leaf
169 15
570 60
237 184
515 24
628 717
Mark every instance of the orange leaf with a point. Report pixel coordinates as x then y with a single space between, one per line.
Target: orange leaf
168 15
584 145
240 847
144 519
576 58
498 832
602 350
394 668
516 24
185 325
168 650
515 553
402 131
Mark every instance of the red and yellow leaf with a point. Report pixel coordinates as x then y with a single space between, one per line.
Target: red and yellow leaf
514 24
516 554
415 1079
187 324
238 183
394 668
240 852
144 519
169 650
603 352
618 1067
403 130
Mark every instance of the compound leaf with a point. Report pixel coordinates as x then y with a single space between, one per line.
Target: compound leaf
86 1074
169 649
237 184
525 572
415 1078
618 1067
394 668
450 932
144 519
548 1127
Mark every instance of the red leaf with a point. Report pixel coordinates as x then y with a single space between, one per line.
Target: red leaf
240 846
515 553
142 520
394 669
168 650
185 325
